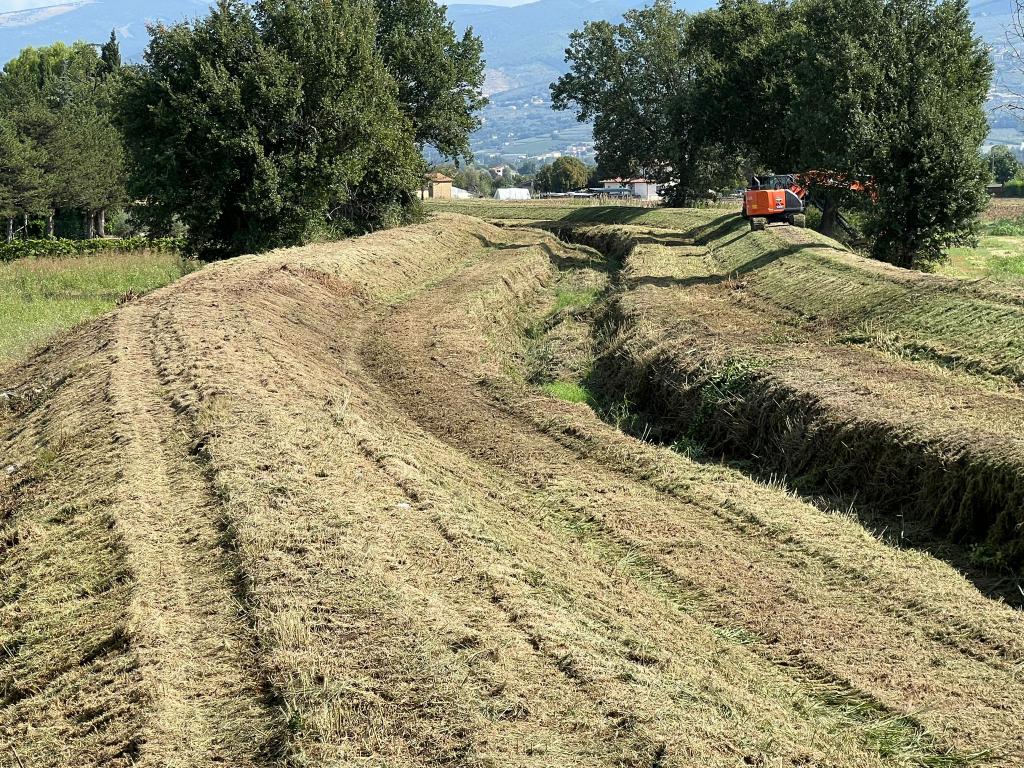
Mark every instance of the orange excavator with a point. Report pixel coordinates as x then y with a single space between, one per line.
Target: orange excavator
783 199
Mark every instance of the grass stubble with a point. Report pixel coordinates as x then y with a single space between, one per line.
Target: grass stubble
413 557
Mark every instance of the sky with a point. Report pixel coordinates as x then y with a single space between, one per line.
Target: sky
24 5
21 5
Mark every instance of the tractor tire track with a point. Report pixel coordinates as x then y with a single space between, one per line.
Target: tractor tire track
188 626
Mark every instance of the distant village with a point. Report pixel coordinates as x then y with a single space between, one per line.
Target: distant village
511 184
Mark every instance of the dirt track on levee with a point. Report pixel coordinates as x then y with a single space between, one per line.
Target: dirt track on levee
304 510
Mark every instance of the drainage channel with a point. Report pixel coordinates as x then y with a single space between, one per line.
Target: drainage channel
733 411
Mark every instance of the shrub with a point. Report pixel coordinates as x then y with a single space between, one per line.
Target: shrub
1014 188
36 249
1005 228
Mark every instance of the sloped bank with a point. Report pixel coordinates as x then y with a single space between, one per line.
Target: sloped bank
702 360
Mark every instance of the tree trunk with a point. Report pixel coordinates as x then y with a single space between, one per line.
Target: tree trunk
10 230
24 220
51 225
90 225
101 222
829 215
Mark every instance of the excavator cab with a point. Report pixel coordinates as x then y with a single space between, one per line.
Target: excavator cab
774 199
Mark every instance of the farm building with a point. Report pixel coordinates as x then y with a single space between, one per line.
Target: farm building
461 194
645 189
512 193
436 186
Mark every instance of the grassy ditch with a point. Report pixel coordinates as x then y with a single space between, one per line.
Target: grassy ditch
753 404
969 492
975 326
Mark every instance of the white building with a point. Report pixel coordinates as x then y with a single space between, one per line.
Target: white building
512 193
645 189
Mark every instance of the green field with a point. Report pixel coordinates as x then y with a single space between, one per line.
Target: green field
996 257
41 297
999 253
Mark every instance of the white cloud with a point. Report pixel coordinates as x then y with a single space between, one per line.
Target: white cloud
22 5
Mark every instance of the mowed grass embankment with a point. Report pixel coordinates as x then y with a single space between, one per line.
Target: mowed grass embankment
568 210
321 517
40 297
854 380
972 325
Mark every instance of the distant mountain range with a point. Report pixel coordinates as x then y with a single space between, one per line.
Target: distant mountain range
523 43
524 46
91 21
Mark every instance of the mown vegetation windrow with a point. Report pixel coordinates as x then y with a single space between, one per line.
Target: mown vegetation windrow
904 394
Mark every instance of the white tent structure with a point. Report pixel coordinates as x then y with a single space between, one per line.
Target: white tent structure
461 194
512 193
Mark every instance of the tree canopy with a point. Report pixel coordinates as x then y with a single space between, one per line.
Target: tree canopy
263 124
626 78
1003 164
566 174
440 76
274 123
887 89
62 150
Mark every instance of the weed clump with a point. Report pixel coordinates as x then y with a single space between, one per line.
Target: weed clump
570 392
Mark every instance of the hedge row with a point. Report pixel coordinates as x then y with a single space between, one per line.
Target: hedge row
23 249
1013 188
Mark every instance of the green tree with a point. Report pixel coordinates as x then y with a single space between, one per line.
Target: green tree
924 128
741 59
22 192
48 75
440 76
542 181
891 89
87 166
837 80
528 167
475 180
261 126
626 78
566 174
110 56
1003 164
58 98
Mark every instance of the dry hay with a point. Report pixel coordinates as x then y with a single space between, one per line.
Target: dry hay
717 356
294 511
